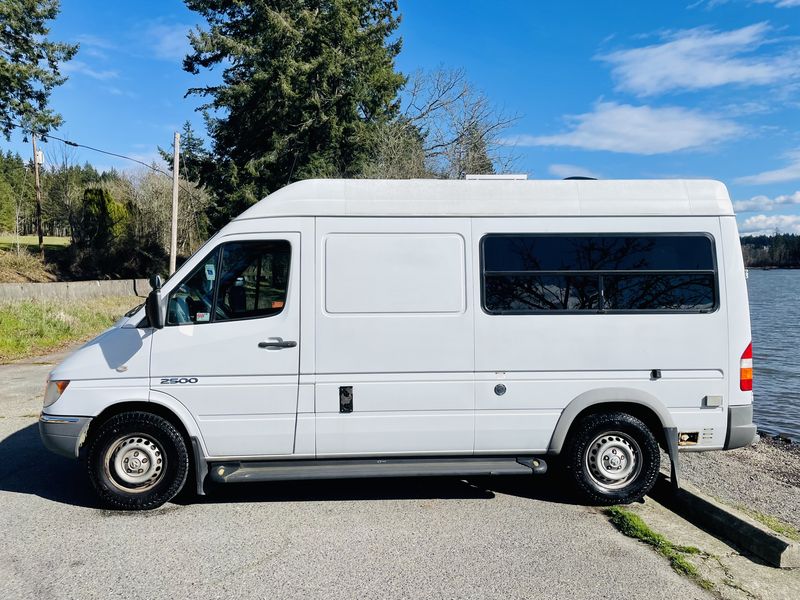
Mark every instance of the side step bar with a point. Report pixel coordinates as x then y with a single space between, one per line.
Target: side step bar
284 470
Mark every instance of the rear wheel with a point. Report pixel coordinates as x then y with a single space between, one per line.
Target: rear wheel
612 458
137 461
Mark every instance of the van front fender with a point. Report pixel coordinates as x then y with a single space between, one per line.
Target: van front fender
180 411
605 396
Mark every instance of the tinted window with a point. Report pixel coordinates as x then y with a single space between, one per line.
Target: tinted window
682 292
533 273
597 253
192 300
523 293
240 280
253 279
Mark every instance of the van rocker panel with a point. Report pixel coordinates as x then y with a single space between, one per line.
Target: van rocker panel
235 472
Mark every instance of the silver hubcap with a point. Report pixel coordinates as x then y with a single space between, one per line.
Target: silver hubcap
135 462
613 460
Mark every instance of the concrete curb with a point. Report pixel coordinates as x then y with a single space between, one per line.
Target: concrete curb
728 523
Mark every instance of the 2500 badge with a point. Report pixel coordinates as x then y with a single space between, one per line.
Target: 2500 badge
171 380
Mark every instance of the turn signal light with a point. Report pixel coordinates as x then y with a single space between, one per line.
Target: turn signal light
746 369
53 390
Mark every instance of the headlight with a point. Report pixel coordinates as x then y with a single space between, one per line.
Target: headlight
54 390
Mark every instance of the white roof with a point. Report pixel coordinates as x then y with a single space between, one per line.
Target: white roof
435 197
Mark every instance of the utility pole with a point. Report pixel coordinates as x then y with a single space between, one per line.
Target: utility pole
36 162
173 248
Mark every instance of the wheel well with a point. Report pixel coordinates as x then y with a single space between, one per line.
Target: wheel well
645 414
151 407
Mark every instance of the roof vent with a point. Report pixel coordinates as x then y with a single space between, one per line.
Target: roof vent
502 176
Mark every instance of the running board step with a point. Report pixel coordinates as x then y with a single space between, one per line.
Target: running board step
234 472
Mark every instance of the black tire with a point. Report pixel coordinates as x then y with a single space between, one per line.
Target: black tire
144 448
603 437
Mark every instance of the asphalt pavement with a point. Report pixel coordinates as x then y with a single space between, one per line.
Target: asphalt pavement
418 538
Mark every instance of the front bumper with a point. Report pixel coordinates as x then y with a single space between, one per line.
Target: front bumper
741 429
63 435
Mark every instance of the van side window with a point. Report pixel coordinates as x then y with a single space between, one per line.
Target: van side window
238 280
192 300
527 273
253 279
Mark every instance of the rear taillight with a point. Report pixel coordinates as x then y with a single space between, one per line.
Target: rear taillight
746 369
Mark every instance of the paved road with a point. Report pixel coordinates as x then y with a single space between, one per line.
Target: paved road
501 538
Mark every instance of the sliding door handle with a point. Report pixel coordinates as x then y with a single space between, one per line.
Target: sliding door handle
277 343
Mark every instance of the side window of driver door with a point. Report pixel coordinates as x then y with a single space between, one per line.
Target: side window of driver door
193 300
253 281
238 280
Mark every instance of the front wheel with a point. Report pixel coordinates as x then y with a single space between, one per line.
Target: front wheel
612 458
137 461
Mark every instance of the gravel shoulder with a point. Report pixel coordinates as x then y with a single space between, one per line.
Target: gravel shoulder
764 477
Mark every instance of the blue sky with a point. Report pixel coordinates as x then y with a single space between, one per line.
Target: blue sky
707 88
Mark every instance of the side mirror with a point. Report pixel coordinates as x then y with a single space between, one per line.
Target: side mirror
152 308
155 282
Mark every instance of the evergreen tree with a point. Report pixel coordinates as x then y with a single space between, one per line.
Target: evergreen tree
195 159
29 65
16 193
303 81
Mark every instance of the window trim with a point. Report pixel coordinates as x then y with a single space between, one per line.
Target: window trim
217 264
602 311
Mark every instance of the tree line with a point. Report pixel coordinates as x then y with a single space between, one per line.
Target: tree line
781 250
117 222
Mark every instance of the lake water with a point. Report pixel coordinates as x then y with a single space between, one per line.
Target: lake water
775 321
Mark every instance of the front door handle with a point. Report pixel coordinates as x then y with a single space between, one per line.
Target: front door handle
277 343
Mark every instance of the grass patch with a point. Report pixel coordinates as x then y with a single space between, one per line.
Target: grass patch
31 242
23 267
34 327
778 526
632 525
20 264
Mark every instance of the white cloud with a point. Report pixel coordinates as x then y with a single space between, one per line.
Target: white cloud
701 58
168 41
637 130
115 91
87 39
746 108
571 171
149 158
781 3
790 172
766 203
81 68
93 52
769 224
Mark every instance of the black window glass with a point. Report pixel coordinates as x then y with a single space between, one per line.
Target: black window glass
597 253
253 279
681 292
522 293
192 300
240 280
598 273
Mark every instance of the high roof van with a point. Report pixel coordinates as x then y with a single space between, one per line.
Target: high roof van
367 328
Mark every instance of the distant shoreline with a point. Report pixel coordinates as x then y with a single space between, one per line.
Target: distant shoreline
773 268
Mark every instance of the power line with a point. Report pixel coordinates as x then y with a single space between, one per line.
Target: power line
77 145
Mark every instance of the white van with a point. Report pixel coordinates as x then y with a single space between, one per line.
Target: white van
362 328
